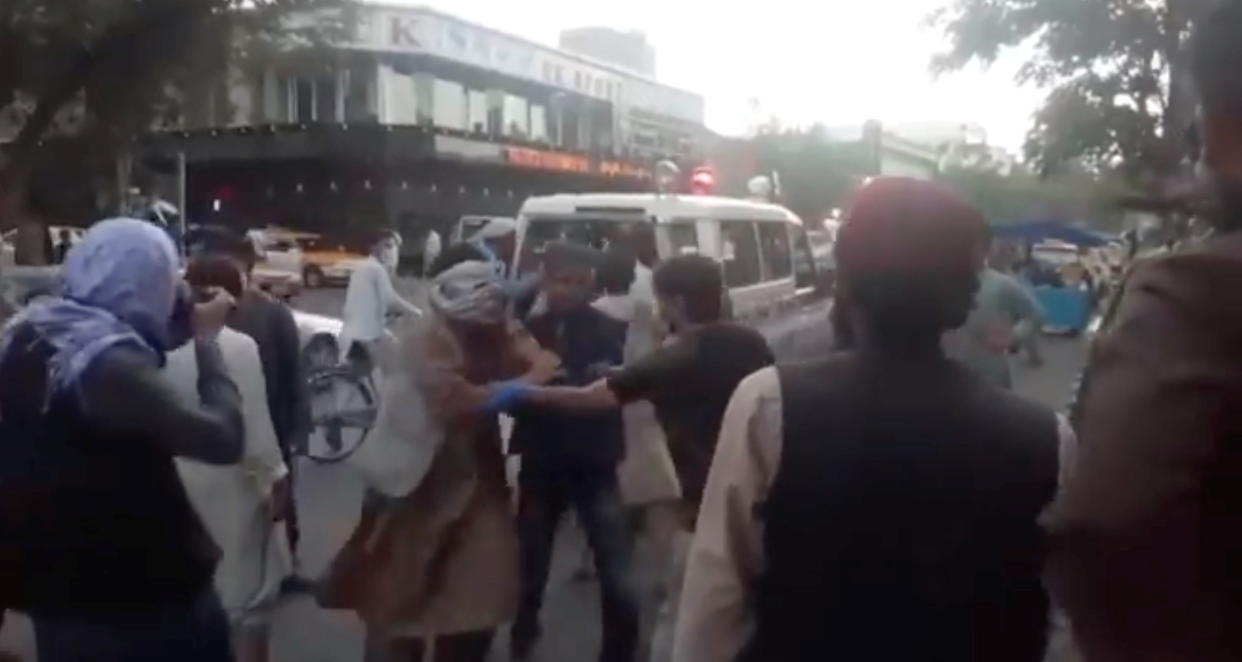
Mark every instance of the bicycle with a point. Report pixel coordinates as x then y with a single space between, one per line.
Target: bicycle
345 402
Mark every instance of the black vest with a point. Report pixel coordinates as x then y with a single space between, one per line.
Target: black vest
93 526
902 522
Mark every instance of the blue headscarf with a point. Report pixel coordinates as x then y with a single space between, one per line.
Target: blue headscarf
120 286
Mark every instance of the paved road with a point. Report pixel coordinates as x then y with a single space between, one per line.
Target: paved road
330 497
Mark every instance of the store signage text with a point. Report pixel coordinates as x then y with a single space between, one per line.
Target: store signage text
420 31
544 160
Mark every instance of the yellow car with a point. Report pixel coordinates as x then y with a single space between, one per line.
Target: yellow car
319 260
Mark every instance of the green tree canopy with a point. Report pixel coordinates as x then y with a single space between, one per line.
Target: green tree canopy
103 71
1116 69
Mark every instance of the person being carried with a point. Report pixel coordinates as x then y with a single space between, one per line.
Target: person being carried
881 503
571 459
369 299
443 563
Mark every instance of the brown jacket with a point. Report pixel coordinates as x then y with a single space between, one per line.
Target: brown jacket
1146 539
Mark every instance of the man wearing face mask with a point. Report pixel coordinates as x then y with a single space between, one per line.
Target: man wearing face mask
98 541
371 297
1145 539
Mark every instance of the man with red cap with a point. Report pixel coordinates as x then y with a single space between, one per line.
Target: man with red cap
880 504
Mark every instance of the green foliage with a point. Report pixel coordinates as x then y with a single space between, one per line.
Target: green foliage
817 174
1072 195
1116 69
103 71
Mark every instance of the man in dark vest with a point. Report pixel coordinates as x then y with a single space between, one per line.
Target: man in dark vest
1146 540
882 503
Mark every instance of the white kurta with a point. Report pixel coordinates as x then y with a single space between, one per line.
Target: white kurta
232 500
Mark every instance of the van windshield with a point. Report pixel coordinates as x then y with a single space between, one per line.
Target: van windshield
596 232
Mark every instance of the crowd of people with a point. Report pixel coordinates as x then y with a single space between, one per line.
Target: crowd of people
887 501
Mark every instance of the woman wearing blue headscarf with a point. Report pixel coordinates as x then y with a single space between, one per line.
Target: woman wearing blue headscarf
98 541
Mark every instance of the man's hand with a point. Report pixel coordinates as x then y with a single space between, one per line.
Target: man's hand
209 316
280 503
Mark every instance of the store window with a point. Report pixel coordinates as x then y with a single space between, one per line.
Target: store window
681 238
740 253
359 95
774 244
400 103
325 98
476 111
517 117
303 92
424 98
538 123
449 104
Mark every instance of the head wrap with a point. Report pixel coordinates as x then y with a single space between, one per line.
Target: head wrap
119 287
907 226
470 291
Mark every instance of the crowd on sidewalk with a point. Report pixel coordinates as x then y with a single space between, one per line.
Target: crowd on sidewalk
890 501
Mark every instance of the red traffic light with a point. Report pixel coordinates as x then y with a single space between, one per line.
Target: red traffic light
703 181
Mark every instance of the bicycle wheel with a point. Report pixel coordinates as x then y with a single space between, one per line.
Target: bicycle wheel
343 411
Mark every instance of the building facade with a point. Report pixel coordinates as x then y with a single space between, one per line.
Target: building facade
417 119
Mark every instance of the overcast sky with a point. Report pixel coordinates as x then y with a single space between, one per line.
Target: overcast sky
839 62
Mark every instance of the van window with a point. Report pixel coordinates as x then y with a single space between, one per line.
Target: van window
681 238
740 253
774 243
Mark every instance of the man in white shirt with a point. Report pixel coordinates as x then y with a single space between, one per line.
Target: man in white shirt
371 297
431 251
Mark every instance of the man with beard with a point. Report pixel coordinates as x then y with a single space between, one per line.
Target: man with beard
1145 538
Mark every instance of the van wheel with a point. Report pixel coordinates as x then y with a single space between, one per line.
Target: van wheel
312 278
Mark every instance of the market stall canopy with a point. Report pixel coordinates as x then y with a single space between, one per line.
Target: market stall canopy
1036 231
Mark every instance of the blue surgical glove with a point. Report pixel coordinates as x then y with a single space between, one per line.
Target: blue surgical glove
505 396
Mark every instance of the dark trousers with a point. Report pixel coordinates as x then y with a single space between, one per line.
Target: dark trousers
293 532
461 647
197 631
597 502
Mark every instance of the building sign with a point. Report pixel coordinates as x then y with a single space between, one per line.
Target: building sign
545 160
623 169
469 150
422 31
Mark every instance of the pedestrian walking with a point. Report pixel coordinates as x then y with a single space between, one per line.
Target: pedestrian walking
370 298
442 563
571 459
241 505
100 544
689 382
271 325
431 251
1145 540
882 503
63 243
1005 315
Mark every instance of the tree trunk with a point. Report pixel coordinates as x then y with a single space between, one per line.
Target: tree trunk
15 175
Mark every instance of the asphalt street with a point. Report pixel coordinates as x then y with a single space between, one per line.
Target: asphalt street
329 498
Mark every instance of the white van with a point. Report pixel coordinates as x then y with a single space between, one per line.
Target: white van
753 241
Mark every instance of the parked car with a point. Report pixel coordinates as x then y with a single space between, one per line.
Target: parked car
281 280
8 242
319 259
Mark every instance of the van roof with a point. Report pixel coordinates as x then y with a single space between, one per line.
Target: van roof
662 207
